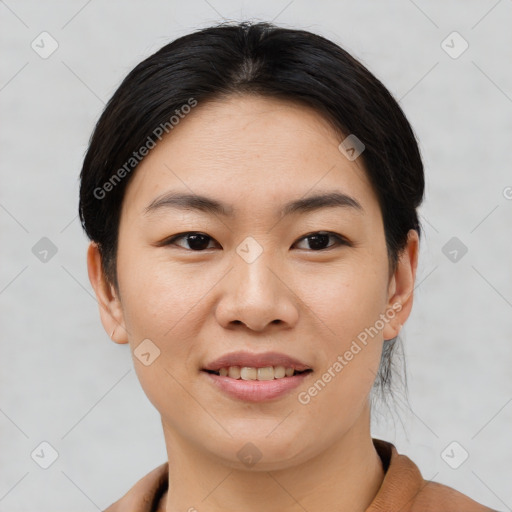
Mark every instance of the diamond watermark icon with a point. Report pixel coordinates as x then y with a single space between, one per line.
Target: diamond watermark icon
146 352
454 455
44 45
44 250
249 250
44 455
454 45
454 249
351 147
249 454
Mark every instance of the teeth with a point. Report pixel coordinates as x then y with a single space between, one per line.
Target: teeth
251 373
247 373
266 373
279 372
233 372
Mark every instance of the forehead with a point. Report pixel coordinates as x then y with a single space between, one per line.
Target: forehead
250 151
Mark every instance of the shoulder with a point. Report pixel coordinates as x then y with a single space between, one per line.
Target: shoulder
404 489
146 494
434 497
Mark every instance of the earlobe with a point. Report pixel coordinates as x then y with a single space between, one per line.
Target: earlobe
401 287
111 313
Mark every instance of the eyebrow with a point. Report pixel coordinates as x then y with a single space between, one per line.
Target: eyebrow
194 202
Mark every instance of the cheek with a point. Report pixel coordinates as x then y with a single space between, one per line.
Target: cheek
347 305
161 303
347 299
155 292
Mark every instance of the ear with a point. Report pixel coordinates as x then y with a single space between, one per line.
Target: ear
401 287
111 312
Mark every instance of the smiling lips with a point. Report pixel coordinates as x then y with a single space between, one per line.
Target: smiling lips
256 377
247 366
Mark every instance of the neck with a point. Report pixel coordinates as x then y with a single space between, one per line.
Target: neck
345 476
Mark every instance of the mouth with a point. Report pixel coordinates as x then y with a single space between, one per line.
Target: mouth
256 377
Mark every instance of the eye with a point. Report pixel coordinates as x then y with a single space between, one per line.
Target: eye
318 240
197 241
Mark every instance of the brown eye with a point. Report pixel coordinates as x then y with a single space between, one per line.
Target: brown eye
320 240
196 241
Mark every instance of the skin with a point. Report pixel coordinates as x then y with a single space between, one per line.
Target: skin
256 154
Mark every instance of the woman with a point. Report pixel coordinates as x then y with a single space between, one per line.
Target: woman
251 197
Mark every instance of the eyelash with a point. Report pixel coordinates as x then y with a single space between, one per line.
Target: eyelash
340 240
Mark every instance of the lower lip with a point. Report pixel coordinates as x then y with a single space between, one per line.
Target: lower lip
256 390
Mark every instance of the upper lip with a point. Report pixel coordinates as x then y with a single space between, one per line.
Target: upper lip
251 360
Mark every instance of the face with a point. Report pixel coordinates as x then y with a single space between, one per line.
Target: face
247 278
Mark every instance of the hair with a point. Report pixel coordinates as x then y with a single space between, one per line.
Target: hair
258 59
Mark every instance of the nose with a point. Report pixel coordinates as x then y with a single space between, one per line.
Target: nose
257 296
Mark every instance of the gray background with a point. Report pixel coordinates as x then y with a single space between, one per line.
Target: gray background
64 382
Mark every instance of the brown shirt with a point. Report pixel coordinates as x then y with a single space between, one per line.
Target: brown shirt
403 490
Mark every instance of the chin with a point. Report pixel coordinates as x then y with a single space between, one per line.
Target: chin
256 450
